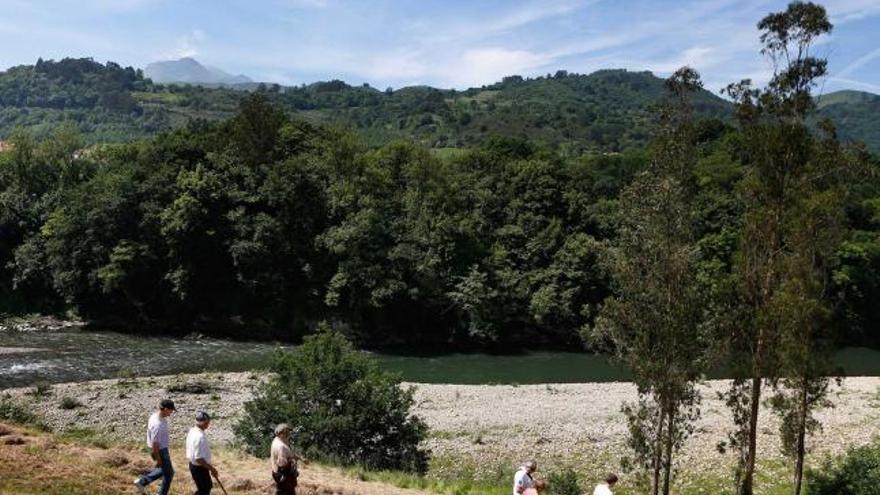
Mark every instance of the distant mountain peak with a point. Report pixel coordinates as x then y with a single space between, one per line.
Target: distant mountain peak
188 70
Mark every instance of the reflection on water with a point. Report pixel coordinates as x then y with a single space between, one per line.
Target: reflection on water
78 355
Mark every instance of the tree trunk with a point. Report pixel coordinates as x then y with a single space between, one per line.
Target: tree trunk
658 452
670 441
746 488
801 439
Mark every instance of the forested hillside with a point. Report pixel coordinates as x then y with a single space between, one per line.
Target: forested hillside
266 224
607 111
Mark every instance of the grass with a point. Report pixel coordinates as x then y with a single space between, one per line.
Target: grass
426 483
86 461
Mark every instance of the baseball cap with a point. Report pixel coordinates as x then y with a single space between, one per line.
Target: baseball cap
167 404
202 416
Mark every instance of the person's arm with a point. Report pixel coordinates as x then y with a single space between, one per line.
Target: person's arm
205 464
201 452
153 435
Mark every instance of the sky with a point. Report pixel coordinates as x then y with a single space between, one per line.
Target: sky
442 43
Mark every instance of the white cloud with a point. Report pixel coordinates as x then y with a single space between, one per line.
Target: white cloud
859 62
188 45
307 4
484 65
844 11
874 88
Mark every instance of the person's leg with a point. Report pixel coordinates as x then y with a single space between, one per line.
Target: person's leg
150 477
202 478
167 472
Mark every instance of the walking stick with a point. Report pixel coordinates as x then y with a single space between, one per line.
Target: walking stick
221 484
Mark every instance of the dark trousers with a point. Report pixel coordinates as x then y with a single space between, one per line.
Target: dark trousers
166 472
284 485
202 477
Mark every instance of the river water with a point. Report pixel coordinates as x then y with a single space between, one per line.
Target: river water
74 355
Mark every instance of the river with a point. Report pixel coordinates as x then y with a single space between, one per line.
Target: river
74 355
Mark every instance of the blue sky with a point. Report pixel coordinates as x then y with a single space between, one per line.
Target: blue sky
445 43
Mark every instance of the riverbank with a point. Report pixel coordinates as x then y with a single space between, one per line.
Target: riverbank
477 431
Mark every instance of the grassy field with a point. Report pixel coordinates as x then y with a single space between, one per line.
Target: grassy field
84 462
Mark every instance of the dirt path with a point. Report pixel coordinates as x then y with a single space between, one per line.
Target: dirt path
39 463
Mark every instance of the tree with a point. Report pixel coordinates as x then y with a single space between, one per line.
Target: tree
345 409
654 321
791 227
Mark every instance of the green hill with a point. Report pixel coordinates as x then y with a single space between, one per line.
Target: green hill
856 115
608 110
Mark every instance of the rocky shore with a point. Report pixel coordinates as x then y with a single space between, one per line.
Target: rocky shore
483 426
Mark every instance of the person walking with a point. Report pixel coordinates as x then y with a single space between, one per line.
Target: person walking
284 469
158 441
198 453
523 480
605 488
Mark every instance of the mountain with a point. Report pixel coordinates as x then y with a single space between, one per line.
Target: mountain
190 71
856 114
606 111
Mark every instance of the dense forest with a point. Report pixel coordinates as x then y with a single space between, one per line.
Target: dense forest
265 224
607 111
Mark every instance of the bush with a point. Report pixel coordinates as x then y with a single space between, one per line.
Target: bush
195 388
16 413
69 403
563 483
858 473
343 407
42 388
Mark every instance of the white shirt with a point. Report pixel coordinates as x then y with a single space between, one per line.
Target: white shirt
602 489
197 445
280 454
157 431
521 481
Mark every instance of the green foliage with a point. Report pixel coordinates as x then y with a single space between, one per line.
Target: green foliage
793 223
563 482
261 226
343 407
68 403
657 318
17 412
41 388
857 473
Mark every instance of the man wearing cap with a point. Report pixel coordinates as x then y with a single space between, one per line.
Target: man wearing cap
198 453
158 440
284 470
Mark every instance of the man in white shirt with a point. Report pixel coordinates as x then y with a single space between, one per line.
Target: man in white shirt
198 453
284 470
605 488
523 480
158 441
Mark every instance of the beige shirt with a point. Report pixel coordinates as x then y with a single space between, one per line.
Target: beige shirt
280 454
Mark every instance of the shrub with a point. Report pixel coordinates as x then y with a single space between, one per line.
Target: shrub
69 403
195 388
42 388
563 482
343 407
16 413
857 473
